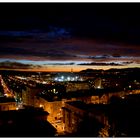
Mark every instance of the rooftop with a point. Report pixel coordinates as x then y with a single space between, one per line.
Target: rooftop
90 107
25 123
28 111
5 100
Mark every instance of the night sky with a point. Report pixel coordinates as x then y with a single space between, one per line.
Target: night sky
61 36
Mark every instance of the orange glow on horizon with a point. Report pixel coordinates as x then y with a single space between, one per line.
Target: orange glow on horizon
74 68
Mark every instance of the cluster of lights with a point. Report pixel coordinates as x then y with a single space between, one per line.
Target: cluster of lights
22 78
51 90
62 78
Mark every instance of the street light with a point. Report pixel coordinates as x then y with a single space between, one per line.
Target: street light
68 78
40 105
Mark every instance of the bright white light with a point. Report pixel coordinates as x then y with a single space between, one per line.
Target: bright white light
122 97
17 108
60 80
54 90
68 78
62 77
44 82
56 79
6 95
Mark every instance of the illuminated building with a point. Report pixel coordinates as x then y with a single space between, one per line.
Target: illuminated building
54 110
63 77
98 83
7 104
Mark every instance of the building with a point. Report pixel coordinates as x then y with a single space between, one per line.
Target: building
65 77
53 108
29 94
98 83
76 111
28 122
7 104
75 86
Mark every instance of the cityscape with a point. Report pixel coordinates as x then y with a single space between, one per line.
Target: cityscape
69 70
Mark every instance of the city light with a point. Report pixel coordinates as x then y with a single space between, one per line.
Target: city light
68 78
44 82
40 105
99 87
56 79
70 70
52 97
73 79
54 90
6 95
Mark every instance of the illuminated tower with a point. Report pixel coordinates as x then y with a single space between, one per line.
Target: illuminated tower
98 83
71 70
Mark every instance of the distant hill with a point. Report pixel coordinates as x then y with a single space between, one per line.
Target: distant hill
111 70
91 71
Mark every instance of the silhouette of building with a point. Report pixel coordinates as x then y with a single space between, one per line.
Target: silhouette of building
75 112
28 122
29 94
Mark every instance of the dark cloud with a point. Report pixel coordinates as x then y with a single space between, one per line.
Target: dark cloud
31 51
109 21
68 49
53 33
14 65
99 57
72 63
124 63
107 64
89 34
114 57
